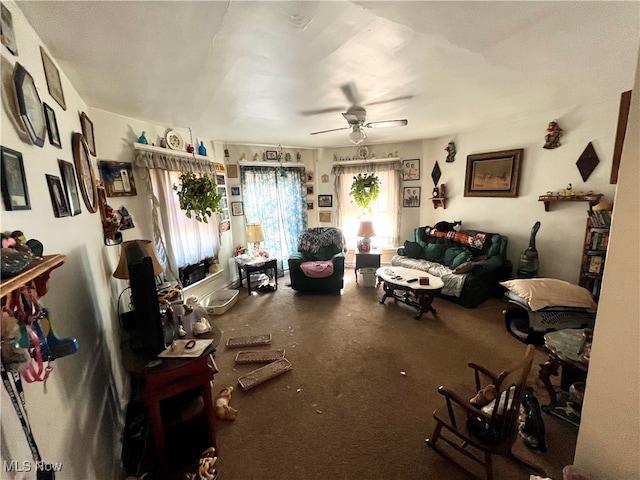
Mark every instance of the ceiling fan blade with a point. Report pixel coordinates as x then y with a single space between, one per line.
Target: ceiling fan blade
387 123
380 102
351 92
332 130
308 113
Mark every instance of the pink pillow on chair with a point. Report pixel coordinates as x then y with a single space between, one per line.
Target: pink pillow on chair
317 269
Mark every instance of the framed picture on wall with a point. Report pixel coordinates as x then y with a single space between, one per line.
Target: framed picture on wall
53 79
70 187
235 191
87 131
325 200
232 170
14 181
58 199
309 188
117 178
237 209
411 197
411 169
495 174
325 217
309 205
52 125
84 172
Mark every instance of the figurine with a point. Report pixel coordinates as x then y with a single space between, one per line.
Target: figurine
552 138
202 150
189 148
568 192
163 143
143 139
451 152
435 193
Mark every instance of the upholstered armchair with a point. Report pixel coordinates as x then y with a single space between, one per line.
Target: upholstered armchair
318 265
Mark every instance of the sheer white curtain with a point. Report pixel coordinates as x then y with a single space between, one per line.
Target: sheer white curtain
178 240
385 212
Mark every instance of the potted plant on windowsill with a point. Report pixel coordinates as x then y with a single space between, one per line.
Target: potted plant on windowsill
198 196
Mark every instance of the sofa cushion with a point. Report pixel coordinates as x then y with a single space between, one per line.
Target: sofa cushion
461 258
450 254
433 252
550 292
317 269
465 267
412 249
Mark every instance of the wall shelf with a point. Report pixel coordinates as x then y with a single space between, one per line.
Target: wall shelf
169 152
38 274
593 199
439 202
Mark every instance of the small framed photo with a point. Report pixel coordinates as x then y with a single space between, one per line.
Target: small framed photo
224 203
232 170
225 226
271 155
309 205
411 169
411 197
310 176
225 215
118 178
325 200
219 179
87 132
325 217
14 181
235 191
222 191
309 188
54 84
58 200
6 28
236 209
52 125
67 174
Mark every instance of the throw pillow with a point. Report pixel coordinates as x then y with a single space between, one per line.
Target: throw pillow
450 254
433 252
412 249
461 258
465 267
550 292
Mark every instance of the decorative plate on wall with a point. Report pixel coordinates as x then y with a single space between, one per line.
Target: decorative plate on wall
174 140
363 152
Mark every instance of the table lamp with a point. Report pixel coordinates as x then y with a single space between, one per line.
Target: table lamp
255 235
122 270
365 231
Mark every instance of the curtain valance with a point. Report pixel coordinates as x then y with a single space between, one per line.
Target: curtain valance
172 163
366 166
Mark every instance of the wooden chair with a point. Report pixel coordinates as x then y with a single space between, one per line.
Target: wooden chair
499 425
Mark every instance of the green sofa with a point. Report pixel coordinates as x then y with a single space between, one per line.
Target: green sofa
470 263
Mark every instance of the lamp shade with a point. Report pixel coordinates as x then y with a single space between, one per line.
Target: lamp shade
122 270
366 229
254 232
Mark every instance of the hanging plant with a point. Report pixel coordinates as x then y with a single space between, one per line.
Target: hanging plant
365 190
198 196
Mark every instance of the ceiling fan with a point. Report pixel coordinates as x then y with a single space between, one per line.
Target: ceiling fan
356 115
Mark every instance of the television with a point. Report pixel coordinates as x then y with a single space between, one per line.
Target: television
152 329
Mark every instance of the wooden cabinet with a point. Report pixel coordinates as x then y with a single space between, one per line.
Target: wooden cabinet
596 242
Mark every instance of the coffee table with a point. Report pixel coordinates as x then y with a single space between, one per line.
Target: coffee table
414 294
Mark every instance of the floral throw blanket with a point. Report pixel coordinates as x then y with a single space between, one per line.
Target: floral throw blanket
313 239
453 282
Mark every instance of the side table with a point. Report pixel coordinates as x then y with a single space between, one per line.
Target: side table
369 259
257 266
173 377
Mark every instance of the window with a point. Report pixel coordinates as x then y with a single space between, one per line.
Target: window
385 212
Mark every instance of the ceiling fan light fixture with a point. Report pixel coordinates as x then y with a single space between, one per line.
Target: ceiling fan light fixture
357 135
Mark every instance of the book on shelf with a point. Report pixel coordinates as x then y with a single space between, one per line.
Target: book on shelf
600 218
595 264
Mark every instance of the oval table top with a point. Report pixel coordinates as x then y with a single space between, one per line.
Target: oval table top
389 274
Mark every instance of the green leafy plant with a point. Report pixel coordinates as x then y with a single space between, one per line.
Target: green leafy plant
199 196
365 190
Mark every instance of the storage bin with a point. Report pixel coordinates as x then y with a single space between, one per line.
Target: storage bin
368 277
218 302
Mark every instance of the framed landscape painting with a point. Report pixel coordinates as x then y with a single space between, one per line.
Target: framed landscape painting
495 174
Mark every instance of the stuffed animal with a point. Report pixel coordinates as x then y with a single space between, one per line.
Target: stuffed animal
449 226
222 408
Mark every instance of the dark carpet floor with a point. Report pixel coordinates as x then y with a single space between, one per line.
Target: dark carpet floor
358 401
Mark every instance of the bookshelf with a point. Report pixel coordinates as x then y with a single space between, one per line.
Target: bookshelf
596 242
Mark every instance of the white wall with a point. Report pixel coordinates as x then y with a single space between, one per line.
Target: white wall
77 418
609 438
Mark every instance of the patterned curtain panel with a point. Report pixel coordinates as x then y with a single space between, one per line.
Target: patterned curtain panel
277 198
